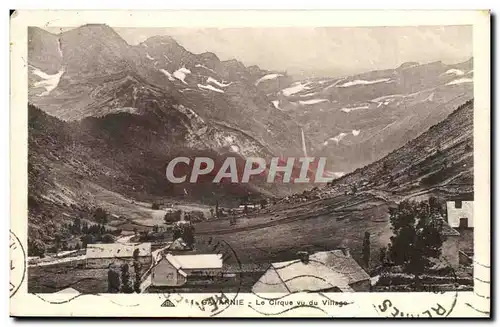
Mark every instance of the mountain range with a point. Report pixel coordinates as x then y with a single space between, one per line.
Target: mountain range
439 162
111 115
92 72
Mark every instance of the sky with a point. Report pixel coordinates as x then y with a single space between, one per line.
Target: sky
321 51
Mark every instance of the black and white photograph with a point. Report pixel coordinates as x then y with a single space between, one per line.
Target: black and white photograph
252 160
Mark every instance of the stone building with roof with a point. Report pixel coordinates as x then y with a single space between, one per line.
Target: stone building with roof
104 255
451 244
328 271
178 245
177 270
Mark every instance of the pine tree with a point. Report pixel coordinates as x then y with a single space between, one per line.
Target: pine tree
101 216
126 286
57 240
416 237
137 271
366 250
382 255
435 206
113 281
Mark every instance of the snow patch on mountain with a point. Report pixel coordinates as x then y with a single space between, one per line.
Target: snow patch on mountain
356 132
49 82
460 81
333 174
276 104
296 88
389 97
410 66
268 77
454 71
336 139
168 59
216 82
334 84
354 108
313 101
364 82
210 87
181 73
130 110
149 57
170 77
203 66
324 81
307 94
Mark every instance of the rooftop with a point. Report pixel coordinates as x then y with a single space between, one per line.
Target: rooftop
245 267
447 230
178 244
324 271
462 197
196 261
343 263
117 250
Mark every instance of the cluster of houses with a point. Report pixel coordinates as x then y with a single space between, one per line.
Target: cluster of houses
328 271
307 195
321 271
104 255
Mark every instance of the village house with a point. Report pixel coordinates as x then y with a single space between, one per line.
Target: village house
249 208
103 255
329 271
459 211
178 245
451 244
177 270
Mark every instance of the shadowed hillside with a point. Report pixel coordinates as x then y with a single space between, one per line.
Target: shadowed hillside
438 161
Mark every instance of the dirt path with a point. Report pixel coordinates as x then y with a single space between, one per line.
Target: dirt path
56 261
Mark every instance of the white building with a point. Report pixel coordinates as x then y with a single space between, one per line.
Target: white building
176 270
460 211
102 255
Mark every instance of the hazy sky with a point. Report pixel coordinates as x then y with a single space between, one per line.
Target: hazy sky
321 51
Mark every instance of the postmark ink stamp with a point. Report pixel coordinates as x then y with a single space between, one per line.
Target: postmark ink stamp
17 264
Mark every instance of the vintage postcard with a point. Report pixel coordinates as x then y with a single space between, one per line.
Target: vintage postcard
250 164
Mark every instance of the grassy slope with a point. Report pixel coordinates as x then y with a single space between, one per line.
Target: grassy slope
440 162
325 224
